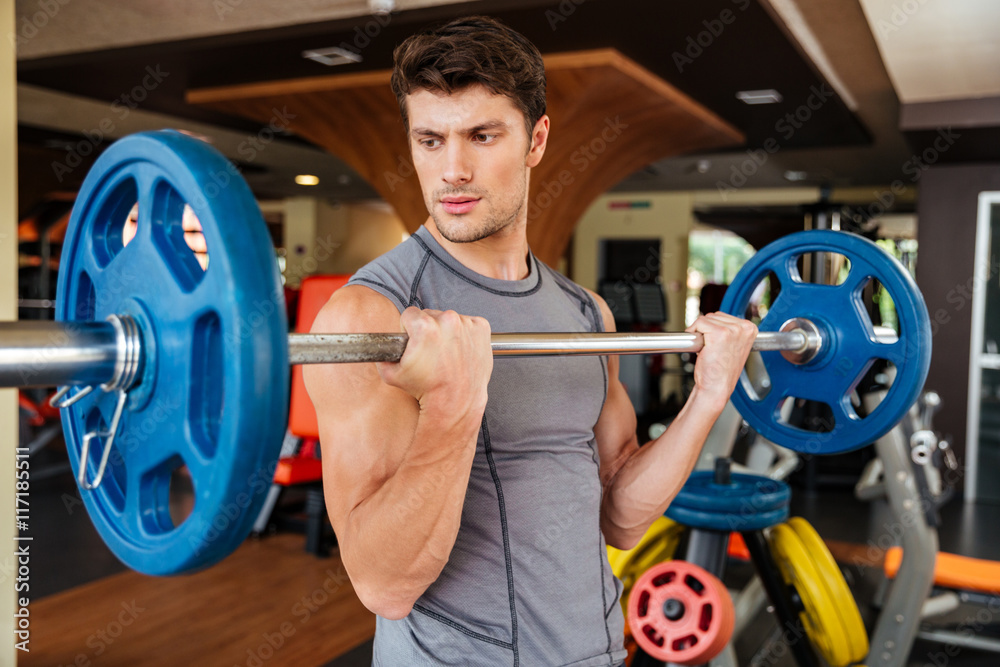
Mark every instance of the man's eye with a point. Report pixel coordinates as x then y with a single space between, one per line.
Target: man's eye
430 143
484 138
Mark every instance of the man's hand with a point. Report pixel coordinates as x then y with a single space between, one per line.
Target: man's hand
194 237
447 363
728 342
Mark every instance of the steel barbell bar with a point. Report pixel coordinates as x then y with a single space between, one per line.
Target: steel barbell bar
45 353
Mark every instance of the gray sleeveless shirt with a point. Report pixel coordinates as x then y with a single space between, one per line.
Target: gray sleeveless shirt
528 581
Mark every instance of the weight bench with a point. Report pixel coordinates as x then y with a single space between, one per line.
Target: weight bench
959 581
954 571
304 468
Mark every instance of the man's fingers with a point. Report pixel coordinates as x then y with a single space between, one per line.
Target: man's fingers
195 241
708 323
720 320
410 316
731 330
189 221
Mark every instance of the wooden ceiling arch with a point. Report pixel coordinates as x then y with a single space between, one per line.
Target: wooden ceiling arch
609 118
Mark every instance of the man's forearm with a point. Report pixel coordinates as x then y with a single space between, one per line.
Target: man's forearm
400 537
646 483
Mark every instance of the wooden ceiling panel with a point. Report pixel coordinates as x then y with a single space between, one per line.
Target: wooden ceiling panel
609 116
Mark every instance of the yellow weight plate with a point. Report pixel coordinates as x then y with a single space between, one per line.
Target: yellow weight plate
657 545
833 578
819 616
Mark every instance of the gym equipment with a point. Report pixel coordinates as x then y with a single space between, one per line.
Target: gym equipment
764 458
747 503
830 373
829 613
836 585
953 571
657 545
680 613
202 375
185 366
750 504
926 594
744 503
903 476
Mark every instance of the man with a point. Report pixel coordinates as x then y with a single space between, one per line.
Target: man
472 499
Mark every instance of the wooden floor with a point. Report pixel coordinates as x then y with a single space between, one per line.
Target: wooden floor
269 604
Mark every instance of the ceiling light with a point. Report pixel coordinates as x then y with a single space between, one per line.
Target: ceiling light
333 55
769 96
307 179
381 7
793 176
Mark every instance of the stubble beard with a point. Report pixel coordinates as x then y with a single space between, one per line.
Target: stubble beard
459 229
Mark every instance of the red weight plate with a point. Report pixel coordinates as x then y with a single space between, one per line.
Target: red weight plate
680 613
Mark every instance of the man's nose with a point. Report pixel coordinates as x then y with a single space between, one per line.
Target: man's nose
458 165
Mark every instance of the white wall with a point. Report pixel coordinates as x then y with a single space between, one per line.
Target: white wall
300 236
323 237
668 219
364 230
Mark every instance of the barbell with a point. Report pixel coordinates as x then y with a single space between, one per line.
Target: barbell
166 364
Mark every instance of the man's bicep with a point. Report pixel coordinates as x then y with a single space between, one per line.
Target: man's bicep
365 425
615 429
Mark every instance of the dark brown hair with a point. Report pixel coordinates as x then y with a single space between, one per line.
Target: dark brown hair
468 51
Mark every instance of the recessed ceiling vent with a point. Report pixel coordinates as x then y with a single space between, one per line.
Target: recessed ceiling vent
769 96
333 55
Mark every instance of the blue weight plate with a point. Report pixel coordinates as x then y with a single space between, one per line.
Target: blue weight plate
746 494
849 348
212 395
726 523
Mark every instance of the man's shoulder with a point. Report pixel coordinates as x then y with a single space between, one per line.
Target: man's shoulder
567 285
356 309
588 298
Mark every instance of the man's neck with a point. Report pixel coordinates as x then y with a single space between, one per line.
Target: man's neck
503 255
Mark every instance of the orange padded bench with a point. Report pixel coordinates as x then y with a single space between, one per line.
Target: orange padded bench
304 467
315 292
954 571
297 470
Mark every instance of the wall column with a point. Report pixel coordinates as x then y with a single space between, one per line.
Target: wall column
8 311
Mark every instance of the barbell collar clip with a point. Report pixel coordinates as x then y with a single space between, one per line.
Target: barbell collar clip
106 453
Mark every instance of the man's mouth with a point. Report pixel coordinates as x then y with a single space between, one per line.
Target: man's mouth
457 205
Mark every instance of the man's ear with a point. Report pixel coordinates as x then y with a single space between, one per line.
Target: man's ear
539 138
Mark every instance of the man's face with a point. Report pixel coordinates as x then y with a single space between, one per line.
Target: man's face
471 154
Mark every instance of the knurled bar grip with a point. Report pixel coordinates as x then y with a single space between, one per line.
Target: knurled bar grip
351 348
45 353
